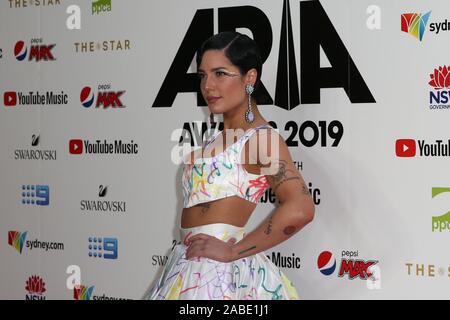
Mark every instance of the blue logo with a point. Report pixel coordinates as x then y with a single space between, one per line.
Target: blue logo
36 194
106 248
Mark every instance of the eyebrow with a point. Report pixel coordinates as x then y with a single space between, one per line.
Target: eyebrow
213 69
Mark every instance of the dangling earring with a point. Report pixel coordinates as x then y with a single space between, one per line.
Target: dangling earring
211 118
249 117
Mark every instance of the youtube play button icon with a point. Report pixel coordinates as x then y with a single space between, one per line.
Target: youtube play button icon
405 148
10 99
76 146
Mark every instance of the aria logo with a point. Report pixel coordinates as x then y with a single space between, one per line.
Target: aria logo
316 32
34 154
38 51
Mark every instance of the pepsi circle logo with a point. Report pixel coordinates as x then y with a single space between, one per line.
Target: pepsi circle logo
326 263
20 50
86 97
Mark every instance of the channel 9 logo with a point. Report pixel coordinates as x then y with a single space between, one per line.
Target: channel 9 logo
36 195
103 247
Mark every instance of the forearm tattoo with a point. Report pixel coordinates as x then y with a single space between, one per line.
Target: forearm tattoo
282 175
244 251
269 226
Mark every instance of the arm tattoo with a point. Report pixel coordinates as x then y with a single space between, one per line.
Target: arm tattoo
282 175
289 230
269 226
247 250
205 206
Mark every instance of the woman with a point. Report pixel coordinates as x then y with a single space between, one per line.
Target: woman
217 259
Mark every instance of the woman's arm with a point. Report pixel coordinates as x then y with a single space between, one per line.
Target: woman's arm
296 209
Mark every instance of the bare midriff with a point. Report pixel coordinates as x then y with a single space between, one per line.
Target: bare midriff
231 210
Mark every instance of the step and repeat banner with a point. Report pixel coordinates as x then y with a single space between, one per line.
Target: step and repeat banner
99 99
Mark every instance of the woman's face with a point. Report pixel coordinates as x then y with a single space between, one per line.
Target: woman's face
222 86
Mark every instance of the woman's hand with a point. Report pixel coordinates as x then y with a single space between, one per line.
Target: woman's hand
203 245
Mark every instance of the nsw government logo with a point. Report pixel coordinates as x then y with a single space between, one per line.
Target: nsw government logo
440 82
35 286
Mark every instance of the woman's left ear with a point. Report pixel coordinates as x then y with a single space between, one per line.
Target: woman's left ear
251 76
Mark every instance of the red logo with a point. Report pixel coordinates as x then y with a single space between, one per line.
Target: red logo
35 285
356 268
440 78
405 148
10 99
76 146
41 52
109 99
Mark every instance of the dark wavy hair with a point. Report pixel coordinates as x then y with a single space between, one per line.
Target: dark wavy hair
240 49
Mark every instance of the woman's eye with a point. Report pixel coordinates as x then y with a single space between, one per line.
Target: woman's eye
220 73
200 76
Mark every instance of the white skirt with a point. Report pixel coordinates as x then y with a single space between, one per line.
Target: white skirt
254 277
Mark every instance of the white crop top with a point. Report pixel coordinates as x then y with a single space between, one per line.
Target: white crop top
222 175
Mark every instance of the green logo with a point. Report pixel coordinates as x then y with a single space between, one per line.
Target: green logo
100 6
440 223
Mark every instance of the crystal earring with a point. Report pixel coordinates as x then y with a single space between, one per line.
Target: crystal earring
211 118
249 117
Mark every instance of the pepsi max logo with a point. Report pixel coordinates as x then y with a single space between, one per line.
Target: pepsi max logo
38 52
326 263
87 97
356 268
105 99
20 50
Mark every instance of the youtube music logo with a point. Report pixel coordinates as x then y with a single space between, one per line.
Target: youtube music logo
408 147
9 99
76 146
405 148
